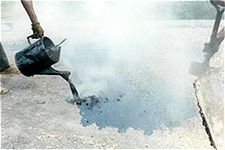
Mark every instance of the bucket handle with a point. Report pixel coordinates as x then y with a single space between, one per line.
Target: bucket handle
28 38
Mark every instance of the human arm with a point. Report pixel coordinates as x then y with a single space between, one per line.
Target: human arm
220 2
36 27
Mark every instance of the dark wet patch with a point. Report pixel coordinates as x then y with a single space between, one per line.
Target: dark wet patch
121 107
88 102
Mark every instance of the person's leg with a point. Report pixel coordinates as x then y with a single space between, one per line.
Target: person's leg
4 63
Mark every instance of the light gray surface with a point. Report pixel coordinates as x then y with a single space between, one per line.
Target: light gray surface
210 94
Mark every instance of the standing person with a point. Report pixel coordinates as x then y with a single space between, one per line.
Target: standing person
37 33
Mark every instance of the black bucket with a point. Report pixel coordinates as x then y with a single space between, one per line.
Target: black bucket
37 56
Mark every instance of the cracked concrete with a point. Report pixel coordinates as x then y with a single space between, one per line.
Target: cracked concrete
210 95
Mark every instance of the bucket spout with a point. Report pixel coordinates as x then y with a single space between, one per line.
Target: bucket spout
52 71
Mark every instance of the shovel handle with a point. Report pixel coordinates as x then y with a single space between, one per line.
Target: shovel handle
219 14
218 7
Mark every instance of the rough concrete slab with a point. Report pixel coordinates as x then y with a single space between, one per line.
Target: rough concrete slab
210 95
34 114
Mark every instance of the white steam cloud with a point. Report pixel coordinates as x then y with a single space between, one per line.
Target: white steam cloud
113 46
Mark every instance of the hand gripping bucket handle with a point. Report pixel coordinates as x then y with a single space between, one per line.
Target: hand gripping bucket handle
28 39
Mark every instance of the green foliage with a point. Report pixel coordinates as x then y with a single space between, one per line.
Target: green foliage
183 10
194 10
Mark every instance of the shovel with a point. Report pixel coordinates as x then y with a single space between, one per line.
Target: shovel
197 68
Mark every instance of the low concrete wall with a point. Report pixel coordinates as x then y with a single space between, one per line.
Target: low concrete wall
209 90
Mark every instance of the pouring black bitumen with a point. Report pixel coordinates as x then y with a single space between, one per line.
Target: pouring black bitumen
65 75
37 59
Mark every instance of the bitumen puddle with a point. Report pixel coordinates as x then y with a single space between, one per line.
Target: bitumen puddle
119 106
